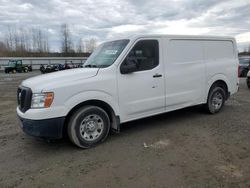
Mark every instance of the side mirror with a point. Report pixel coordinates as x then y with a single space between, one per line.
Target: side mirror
128 67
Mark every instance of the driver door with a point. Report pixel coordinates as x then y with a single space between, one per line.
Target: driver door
142 92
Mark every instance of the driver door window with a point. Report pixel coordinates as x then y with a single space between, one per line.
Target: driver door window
145 54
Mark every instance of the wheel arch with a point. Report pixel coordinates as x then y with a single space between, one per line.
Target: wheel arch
221 83
115 119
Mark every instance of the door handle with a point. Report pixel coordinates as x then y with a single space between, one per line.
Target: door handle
157 75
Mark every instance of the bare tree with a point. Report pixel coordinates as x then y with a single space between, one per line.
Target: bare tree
46 42
27 40
90 45
67 44
40 42
80 46
16 40
3 48
21 41
9 39
34 40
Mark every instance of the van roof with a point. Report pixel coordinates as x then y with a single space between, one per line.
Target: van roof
210 37
202 37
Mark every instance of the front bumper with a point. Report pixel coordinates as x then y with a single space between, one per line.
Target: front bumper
46 128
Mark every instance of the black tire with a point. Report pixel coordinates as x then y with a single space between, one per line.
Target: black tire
248 84
244 73
216 99
26 70
85 123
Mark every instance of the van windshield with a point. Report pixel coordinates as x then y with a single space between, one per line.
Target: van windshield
106 54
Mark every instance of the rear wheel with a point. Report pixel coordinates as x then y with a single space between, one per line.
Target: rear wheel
25 69
216 100
88 126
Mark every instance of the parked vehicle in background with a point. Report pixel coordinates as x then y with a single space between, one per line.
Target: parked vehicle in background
129 79
244 67
248 79
42 69
56 67
50 68
67 66
17 66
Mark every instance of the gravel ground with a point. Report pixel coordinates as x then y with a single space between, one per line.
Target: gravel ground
185 148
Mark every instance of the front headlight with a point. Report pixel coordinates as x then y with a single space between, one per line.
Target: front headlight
42 100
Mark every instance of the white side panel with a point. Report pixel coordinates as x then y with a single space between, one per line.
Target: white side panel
221 63
185 73
218 50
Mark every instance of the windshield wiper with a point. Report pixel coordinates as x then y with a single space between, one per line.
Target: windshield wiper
90 66
103 66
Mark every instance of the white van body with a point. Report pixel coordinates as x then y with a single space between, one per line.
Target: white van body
188 66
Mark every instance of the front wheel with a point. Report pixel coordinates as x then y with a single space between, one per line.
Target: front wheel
216 100
88 126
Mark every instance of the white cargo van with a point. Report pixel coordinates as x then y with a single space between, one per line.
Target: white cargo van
128 79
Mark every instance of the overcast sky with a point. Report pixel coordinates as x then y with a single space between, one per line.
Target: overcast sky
107 19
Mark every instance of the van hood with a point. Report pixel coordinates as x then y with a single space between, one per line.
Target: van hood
50 80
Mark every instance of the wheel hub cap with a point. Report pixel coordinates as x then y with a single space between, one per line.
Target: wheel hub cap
217 101
91 127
